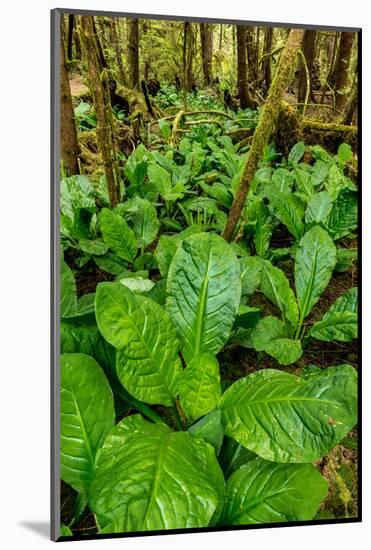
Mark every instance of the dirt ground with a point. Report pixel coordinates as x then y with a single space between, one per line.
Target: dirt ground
77 86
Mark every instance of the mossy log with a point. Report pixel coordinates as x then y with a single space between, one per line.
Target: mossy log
292 127
90 157
266 126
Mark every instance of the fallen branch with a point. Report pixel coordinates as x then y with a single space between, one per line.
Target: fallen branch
177 120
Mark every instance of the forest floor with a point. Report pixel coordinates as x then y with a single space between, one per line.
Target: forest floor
77 85
339 467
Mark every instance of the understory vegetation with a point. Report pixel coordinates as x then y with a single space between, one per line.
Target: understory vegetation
209 306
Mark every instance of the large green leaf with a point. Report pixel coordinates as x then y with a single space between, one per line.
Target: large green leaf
147 360
250 268
272 336
96 247
209 428
319 172
247 317
203 293
111 263
77 193
87 415
263 230
263 492
304 183
117 234
162 181
319 207
289 210
284 418
149 477
81 335
335 181
343 218
68 291
199 387
345 258
233 455
340 322
276 287
297 152
143 216
167 246
283 180
314 264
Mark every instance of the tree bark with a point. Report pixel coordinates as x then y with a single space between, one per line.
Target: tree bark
71 21
76 39
220 37
133 52
101 58
252 58
118 52
100 93
69 146
266 125
243 91
206 32
267 67
350 110
342 66
308 52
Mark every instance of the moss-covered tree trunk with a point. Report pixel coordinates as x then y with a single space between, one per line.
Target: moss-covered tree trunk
243 90
71 21
342 66
69 146
98 42
350 110
206 32
133 52
268 46
76 39
305 73
116 44
266 126
100 94
188 36
252 58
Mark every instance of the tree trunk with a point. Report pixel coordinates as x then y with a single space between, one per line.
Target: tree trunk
76 39
220 37
184 58
342 66
116 44
100 93
266 125
71 21
350 110
252 58
64 34
133 52
187 56
206 32
98 43
243 91
69 146
267 66
305 78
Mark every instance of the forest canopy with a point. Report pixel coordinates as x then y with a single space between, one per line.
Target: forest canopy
209 306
